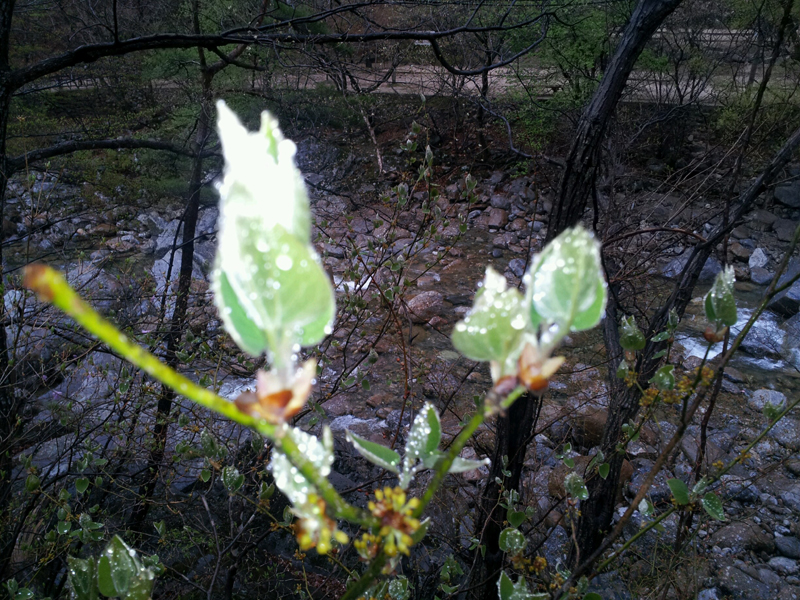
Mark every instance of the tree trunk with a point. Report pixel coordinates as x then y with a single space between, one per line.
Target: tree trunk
174 335
514 431
580 171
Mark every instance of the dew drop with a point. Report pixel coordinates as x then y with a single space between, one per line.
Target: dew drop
284 262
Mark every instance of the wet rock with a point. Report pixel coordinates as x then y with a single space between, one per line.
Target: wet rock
517 266
659 492
788 546
423 307
761 220
744 535
760 398
788 194
740 251
784 229
674 267
500 201
787 433
783 565
787 303
760 276
741 586
497 218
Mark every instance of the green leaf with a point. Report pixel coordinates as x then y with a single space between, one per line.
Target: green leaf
32 483
679 491
161 528
630 336
576 487
720 304
713 506
512 541
141 586
319 453
117 568
603 470
565 284
259 277
384 457
508 590
516 517
662 337
623 369
462 465
82 579
205 475
493 328
646 507
772 411
232 479
63 527
664 379
425 434
399 588
81 484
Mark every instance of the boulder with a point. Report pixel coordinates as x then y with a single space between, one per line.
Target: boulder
788 546
738 585
760 398
758 259
784 229
423 307
787 303
761 220
788 194
744 535
760 276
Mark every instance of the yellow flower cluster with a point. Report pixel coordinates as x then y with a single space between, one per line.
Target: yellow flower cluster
397 524
316 528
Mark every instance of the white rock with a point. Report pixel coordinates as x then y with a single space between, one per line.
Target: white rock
758 259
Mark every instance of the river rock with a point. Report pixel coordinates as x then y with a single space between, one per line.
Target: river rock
741 586
760 398
787 433
674 267
787 303
744 535
760 276
758 258
517 266
500 201
497 218
761 220
783 565
788 194
784 229
788 546
423 307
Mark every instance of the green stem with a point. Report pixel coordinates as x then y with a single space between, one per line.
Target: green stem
463 437
51 287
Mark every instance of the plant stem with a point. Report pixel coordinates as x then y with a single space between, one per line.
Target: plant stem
51 287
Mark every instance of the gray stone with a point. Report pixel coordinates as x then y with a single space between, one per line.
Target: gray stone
758 258
517 266
744 535
741 586
674 267
708 594
497 217
783 565
787 303
788 194
784 229
761 220
788 546
500 201
760 398
787 433
423 307
760 276
789 592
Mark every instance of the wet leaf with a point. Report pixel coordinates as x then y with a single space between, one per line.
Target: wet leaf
232 479
82 578
516 518
425 434
512 541
720 304
664 379
713 506
384 457
630 336
288 478
576 487
117 568
565 284
679 491
493 328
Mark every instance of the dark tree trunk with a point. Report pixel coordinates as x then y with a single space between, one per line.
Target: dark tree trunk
514 431
580 171
176 326
596 512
